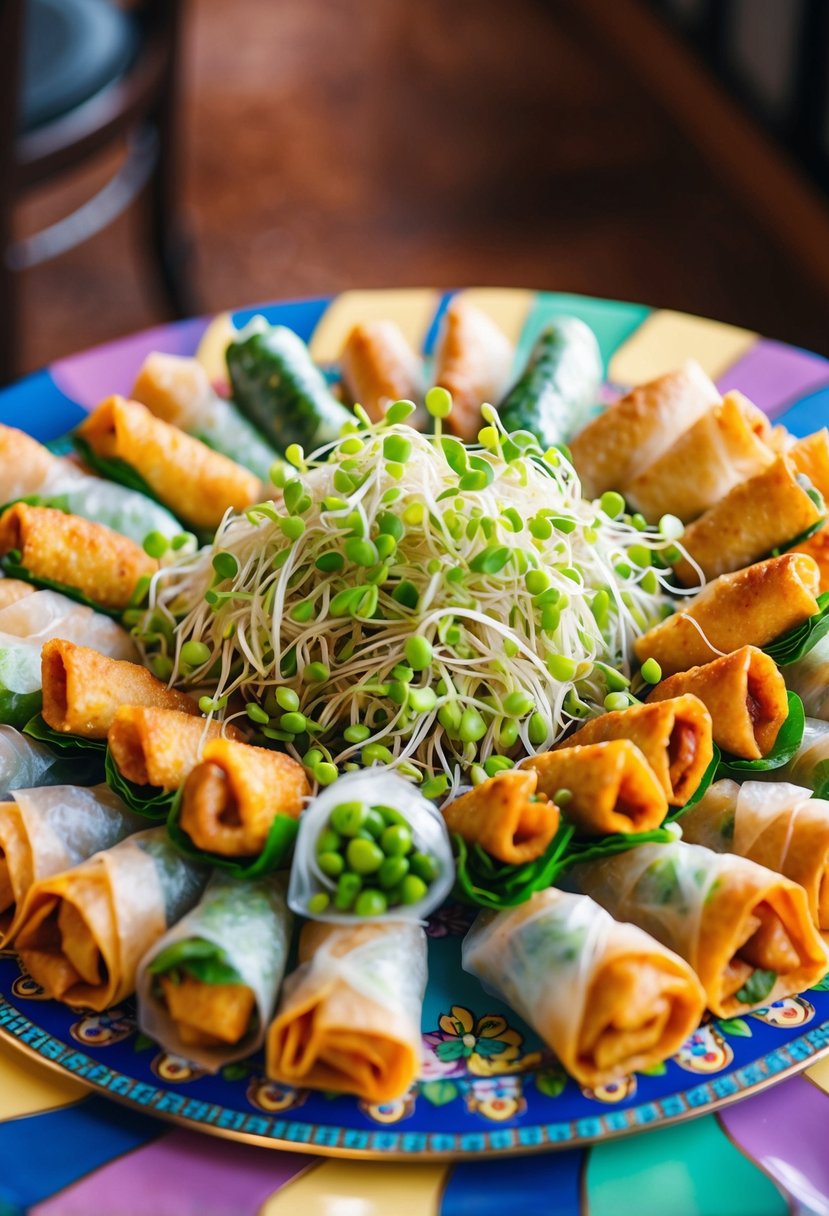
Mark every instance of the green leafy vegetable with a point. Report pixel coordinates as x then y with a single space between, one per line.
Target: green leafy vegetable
113 468
278 846
757 987
12 569
819 780
147 800
84 758
797 642
20 692
786 745
196 957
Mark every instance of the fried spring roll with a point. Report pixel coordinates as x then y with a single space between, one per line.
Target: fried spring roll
233 795
207 990
778 825
608 999
379 367
673 736
73 552
506 817
752 606
755 517
612 786
815 546
84 931
44 831
12 590
83 689
349 1017
160 747
810 457
637 429
195 482
25 464
745 695
722 447
174 388
473 361
746 931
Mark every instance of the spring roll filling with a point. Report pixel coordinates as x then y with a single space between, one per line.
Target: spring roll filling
682 753
208 1014
642 1009
61 948
762 710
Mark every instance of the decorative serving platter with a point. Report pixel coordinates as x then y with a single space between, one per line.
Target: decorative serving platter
488 1085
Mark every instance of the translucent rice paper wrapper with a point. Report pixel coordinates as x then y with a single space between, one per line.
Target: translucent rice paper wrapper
810 764
375 788
105 502
25 764
809 678
249 920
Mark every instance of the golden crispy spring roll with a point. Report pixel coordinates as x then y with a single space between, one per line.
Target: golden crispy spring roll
505 816
473 361
752 606
83 689
25 464
810 457
815 546
608 999
746 931
12 590
159 747
755 517
745 695
722 448
349 1017
74 552
44 831
674 737
637 429
233 795
174 388
195 482
778 825
379 367
84 931
612 787
207 989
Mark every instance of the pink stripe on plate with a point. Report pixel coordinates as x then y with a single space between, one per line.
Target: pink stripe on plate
182 1174
773 375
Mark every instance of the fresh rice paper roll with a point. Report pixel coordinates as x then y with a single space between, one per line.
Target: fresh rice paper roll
507 816
780 826
636 430
747 932
159 747
379 367
745 695
25 464
176 389
83 689
25 764
207 989
809 678
753 606
810 763
195 482
45 831
473 361
612 786
607 998
83 932
349 1016
231 798
75 554
755 517
722 447
674 737
12 590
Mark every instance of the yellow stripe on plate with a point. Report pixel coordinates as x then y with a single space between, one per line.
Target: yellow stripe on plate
214 342
29 1088
412 309
351 1188
507 306
819 1075
666 339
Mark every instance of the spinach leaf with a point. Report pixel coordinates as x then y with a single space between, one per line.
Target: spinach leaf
796 642
196 957
785 746
147 800
757 987
274 856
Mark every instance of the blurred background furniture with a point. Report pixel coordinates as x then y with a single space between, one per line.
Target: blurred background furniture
78 77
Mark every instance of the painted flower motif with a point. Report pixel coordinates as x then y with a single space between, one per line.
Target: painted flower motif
486 1047
390 1112
791 1011
272 1097
170 1067
450 920
706 1051
103 1029
496 1098
613 1091
27 989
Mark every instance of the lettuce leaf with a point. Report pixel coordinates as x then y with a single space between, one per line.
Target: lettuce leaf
274 856
20 692
83 758
796 642
12 569
147 800
196 957
785 746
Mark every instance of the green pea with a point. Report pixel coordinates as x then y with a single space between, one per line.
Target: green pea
392 871
391 816
315 673
563 797
651 671
325 773
375 824
472 726
329 841
364 856
331 864
357 733
396 840
371 903
348 888
517 704
424 866
293 723
194 654
318 903
418 653
287 699
412 889
348 817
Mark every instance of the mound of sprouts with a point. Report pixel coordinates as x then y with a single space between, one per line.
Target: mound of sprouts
410 601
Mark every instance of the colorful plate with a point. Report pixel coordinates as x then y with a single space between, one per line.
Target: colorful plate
488 1085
